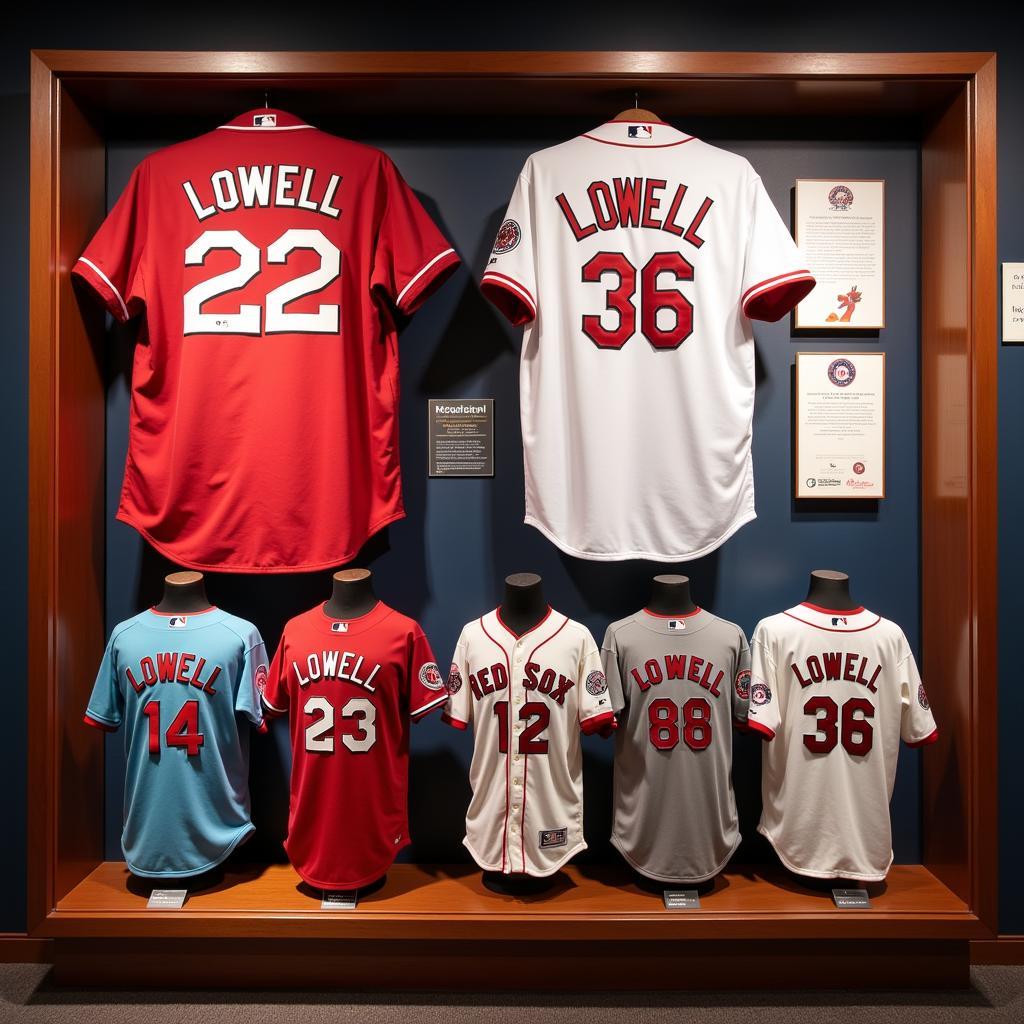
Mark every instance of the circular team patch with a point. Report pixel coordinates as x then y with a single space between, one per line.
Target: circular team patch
430 676
261 679
596 684
509 236
922 697
841 197
858 468
760 694
454 683
743 684
841 372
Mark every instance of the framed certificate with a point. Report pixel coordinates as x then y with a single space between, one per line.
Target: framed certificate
840 425
840 228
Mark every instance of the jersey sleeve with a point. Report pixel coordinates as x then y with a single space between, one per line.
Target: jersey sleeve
610 664
106 705
458 711
595 702
253 682
112 262
275 691
775 274
763 715
917 724
741 686
510 278
411 257
426 684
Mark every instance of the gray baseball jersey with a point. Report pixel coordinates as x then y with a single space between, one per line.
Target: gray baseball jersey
678 684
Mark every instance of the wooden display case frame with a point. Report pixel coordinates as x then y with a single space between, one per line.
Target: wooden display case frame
919 930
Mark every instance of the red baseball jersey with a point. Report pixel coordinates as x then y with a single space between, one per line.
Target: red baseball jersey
350 688
270 259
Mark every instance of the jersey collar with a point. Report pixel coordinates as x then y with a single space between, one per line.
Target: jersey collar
264 119
674 625
834 620
550 626
348 627
638 135
175 622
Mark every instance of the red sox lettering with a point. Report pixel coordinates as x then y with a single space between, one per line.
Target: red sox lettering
679 666
341 665
494 678
278 185
834 666
173 667
634 203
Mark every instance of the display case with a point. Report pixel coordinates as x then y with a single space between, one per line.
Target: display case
588 931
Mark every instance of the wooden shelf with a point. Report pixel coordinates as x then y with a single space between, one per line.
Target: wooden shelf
450 902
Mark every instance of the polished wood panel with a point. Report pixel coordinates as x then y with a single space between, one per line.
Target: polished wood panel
592 902
20 949
586 967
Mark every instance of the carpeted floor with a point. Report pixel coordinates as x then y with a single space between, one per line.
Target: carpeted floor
27 995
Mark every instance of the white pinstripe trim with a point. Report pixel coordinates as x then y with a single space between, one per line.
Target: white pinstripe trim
428 707
256 128
504 282
796 275
106 280
422 271
277 711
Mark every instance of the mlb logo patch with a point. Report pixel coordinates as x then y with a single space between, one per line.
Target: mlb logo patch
264 120
339 627
641 131
676 624
839 620
177 622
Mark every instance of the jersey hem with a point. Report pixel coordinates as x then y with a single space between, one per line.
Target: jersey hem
533 873
125 517
355 884
244 832
615 841
857 876
654 556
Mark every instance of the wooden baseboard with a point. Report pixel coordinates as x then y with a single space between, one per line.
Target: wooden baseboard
18 948
1007 949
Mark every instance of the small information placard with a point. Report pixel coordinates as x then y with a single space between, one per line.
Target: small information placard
851 899
339 901
460 435
681 899
1013 302
167 899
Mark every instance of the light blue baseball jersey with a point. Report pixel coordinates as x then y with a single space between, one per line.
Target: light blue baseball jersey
182 687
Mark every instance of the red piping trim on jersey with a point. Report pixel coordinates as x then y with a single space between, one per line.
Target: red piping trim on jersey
632 145
455 723
930 738
184 615
425 277
519 636
830 629
832 611
795 275
420 712
508 742
596 722
510 284
684 615
755 726
263 727
89 720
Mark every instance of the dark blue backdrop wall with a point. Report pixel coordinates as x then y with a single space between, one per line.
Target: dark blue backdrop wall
445 563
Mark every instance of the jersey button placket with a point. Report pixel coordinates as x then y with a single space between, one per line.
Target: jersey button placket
515 725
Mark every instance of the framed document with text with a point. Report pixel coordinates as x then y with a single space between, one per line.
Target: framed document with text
840 228
840 425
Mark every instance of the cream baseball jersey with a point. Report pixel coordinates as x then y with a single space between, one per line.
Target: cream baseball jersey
678 686
636 257
833 692
270 260
185 688
351 687
528 697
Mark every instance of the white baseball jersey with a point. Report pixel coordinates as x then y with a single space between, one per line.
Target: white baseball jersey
636 257
527 697
678 684
833 692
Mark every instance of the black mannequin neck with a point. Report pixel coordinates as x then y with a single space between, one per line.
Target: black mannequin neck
830 589
524 605
184 593
670 595
352 594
